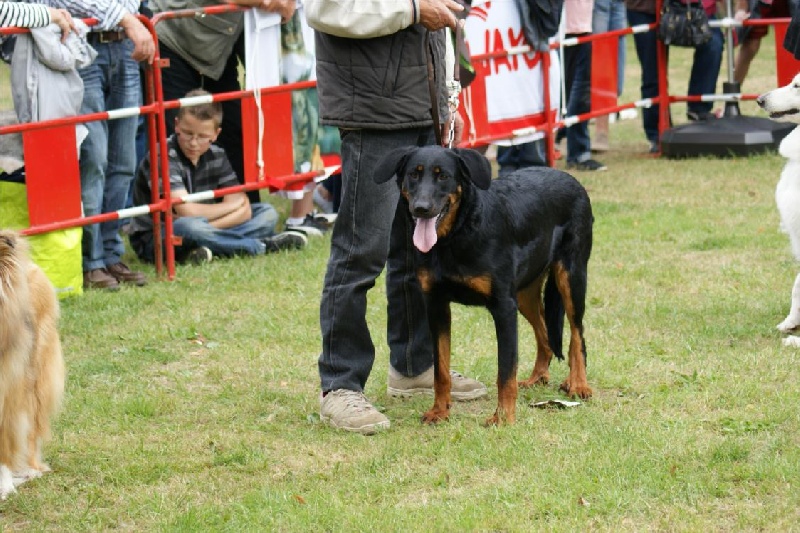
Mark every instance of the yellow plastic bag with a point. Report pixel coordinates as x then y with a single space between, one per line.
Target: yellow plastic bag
57 253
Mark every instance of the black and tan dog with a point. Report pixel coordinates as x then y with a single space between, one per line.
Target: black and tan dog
500 244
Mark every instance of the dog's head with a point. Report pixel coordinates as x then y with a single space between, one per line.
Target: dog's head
431 178
783 104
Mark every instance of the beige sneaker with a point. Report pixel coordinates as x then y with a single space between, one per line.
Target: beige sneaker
349 410
462 388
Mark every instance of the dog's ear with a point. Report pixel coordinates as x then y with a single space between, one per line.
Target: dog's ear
475 167
393 164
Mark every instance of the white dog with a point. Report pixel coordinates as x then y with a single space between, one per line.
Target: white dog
783 104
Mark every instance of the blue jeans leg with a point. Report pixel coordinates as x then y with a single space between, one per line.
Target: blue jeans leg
511 158
578 61
705 70
646 51
359 250
610 15
242 239
108 155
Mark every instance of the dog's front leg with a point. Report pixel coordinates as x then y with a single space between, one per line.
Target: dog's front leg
439 322
792 321
505 324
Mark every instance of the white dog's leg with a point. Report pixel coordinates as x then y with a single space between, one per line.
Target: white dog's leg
6 482
792 341
792 320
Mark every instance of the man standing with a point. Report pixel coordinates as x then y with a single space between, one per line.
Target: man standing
372 81
108 154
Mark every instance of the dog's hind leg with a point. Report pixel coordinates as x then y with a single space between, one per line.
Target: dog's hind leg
572 287
792 321
529 302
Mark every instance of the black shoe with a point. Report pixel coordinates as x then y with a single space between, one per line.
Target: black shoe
287 240
200 255
590 165
654 148
696 116
310 227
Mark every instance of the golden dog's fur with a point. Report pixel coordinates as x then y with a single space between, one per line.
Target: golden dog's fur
31 363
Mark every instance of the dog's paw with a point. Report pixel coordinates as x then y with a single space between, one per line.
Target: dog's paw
498 420
789 324
6 482
26 474
434 416
542 379
792 341
577 390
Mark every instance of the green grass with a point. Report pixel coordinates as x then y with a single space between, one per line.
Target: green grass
193 405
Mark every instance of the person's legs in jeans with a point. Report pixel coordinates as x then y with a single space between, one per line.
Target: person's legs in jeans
123 92
93 157
705 71
359 251
578 101
246 238
646 51
511 158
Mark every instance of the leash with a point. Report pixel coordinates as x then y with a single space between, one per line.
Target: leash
453 90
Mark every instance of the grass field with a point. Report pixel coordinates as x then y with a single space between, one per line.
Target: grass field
193 405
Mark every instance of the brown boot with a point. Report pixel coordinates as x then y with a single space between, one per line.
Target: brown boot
99 278
123 274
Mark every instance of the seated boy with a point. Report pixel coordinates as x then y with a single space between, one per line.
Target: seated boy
225 226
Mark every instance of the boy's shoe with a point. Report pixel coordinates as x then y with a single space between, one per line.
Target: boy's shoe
349 410
462 388
309 226
324 219
200 255
286 240
590 165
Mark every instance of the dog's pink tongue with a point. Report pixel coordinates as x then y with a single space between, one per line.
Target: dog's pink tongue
425 234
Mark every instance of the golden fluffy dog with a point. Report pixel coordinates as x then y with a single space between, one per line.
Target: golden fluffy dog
31 364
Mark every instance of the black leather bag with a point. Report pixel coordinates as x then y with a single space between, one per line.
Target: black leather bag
683 24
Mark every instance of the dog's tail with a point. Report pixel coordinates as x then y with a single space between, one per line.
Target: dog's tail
554 316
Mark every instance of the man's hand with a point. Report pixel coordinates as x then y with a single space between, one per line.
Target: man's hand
458 130
63 19
284 8
144 47
437 14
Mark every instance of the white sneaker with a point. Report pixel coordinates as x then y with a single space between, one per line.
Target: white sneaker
349 410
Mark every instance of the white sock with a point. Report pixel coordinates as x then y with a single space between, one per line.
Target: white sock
292 221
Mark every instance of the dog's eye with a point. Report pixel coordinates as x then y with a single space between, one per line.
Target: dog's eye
442 176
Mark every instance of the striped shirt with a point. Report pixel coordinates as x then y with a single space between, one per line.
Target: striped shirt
108 12
23 15
213 171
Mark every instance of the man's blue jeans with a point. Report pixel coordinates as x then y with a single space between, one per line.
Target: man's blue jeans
244 239
578 78
610 15
369 215
702 80
108 154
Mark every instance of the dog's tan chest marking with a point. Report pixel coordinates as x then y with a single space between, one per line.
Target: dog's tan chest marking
446 224
480 284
